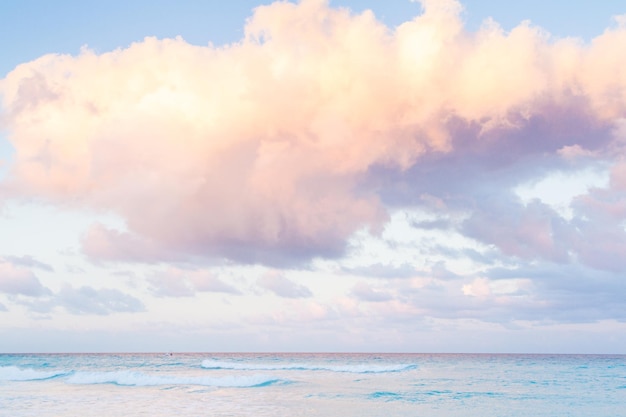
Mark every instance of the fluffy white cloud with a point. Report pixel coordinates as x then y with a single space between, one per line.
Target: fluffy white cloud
278 148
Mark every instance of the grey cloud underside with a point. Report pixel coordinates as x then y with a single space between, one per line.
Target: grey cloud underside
489 164
478 177
288 252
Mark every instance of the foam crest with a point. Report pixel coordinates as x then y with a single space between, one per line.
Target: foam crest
13 373
129 378
357 368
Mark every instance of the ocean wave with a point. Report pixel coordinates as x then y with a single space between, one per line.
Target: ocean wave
13 373
129 378
356 369
385 395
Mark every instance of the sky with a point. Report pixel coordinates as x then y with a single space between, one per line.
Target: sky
348 175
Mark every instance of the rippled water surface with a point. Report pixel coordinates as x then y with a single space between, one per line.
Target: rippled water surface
209 384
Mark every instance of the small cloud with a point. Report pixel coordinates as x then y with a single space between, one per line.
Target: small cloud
574 152
168 284
88 300
18 280
176 282
283 287
28 261
477 288
620 20
210 283
3 307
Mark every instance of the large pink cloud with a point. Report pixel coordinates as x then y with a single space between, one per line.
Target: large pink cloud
263 150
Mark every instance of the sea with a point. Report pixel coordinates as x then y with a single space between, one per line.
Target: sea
312 384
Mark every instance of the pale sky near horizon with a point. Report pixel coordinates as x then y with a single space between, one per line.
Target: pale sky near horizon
313 176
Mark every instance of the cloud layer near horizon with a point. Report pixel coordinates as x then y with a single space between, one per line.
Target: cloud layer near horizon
318 123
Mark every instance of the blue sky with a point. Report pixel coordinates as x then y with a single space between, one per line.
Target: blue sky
425 177
32 28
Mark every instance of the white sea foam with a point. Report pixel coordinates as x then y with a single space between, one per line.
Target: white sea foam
13 373
356 368
582 385
130 378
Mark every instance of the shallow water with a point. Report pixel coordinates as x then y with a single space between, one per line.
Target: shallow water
209 384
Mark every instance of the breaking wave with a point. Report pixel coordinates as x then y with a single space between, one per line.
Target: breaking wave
357 369
129 378
13 373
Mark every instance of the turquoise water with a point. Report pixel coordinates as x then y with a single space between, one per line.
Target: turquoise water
209 384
